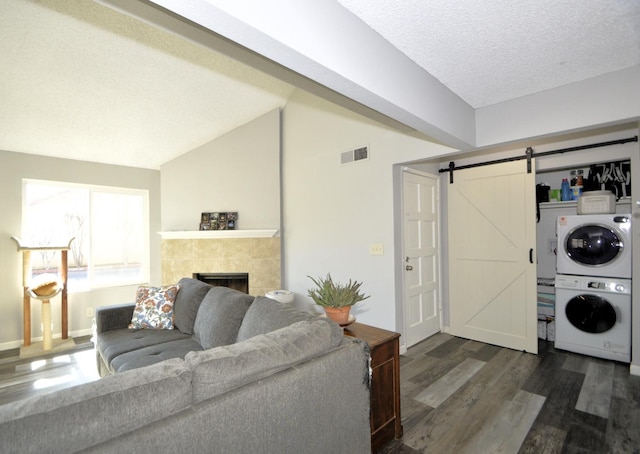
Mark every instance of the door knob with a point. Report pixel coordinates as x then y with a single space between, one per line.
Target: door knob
407 267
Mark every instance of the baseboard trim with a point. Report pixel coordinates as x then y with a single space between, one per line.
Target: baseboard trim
18 343
634 370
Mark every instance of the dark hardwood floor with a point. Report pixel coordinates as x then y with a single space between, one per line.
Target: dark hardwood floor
461 396
458 396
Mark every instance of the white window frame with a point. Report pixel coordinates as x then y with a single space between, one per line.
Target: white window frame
91 283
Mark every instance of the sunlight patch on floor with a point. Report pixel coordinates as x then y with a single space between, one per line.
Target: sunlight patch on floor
44 383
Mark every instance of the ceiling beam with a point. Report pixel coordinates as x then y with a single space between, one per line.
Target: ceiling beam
609 99
324 49
325 46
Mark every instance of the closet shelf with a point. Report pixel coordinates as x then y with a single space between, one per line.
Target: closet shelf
573 203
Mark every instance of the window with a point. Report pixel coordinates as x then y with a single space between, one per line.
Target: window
109 225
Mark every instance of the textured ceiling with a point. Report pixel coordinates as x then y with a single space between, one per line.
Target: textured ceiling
490 51
83 81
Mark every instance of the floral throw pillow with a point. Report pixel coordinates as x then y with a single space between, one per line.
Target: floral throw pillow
154 307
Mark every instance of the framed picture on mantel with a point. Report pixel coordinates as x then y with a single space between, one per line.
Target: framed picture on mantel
219 220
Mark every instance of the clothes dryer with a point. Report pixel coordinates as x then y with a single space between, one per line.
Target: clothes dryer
594 245
593 316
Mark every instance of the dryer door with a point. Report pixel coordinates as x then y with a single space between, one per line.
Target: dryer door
591 313
593 245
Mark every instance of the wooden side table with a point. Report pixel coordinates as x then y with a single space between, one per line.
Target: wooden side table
385 381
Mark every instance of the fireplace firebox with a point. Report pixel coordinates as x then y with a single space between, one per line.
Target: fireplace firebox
236 281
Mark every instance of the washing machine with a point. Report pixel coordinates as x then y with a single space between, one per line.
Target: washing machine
593 316
594 245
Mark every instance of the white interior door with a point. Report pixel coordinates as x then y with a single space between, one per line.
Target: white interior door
421 276
492 271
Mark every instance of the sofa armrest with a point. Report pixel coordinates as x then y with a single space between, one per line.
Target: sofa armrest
113 317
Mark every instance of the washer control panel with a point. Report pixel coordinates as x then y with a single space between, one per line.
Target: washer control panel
595 284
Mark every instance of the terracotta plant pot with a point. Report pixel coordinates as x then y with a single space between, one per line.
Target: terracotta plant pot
338 314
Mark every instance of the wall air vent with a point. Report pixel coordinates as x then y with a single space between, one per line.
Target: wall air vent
351 156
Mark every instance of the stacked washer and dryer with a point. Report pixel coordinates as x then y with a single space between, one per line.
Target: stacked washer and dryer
593 282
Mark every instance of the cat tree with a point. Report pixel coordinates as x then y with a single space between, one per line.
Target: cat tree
44 292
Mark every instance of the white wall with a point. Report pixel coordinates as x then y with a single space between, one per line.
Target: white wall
13 168
333 213
239 171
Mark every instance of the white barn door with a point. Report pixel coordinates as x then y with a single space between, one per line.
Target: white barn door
492 271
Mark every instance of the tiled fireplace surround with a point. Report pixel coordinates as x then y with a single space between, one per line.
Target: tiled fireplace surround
260 257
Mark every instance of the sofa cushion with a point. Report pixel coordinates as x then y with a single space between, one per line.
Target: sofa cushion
118 341
76 418
220 316
221 369
153 354
154 307
267 315
191 293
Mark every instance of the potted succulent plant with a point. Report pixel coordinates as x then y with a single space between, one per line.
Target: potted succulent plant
336 298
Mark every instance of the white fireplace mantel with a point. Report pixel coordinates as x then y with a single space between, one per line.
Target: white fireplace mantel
216 234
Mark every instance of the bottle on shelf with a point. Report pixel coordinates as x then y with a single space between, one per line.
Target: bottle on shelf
577 177
576 184
565 190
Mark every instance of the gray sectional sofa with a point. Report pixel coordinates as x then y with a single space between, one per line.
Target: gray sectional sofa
238 375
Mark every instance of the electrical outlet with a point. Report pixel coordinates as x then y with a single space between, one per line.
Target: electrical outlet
89 312
376 249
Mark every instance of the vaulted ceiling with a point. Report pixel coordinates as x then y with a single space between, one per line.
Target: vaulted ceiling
81 80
